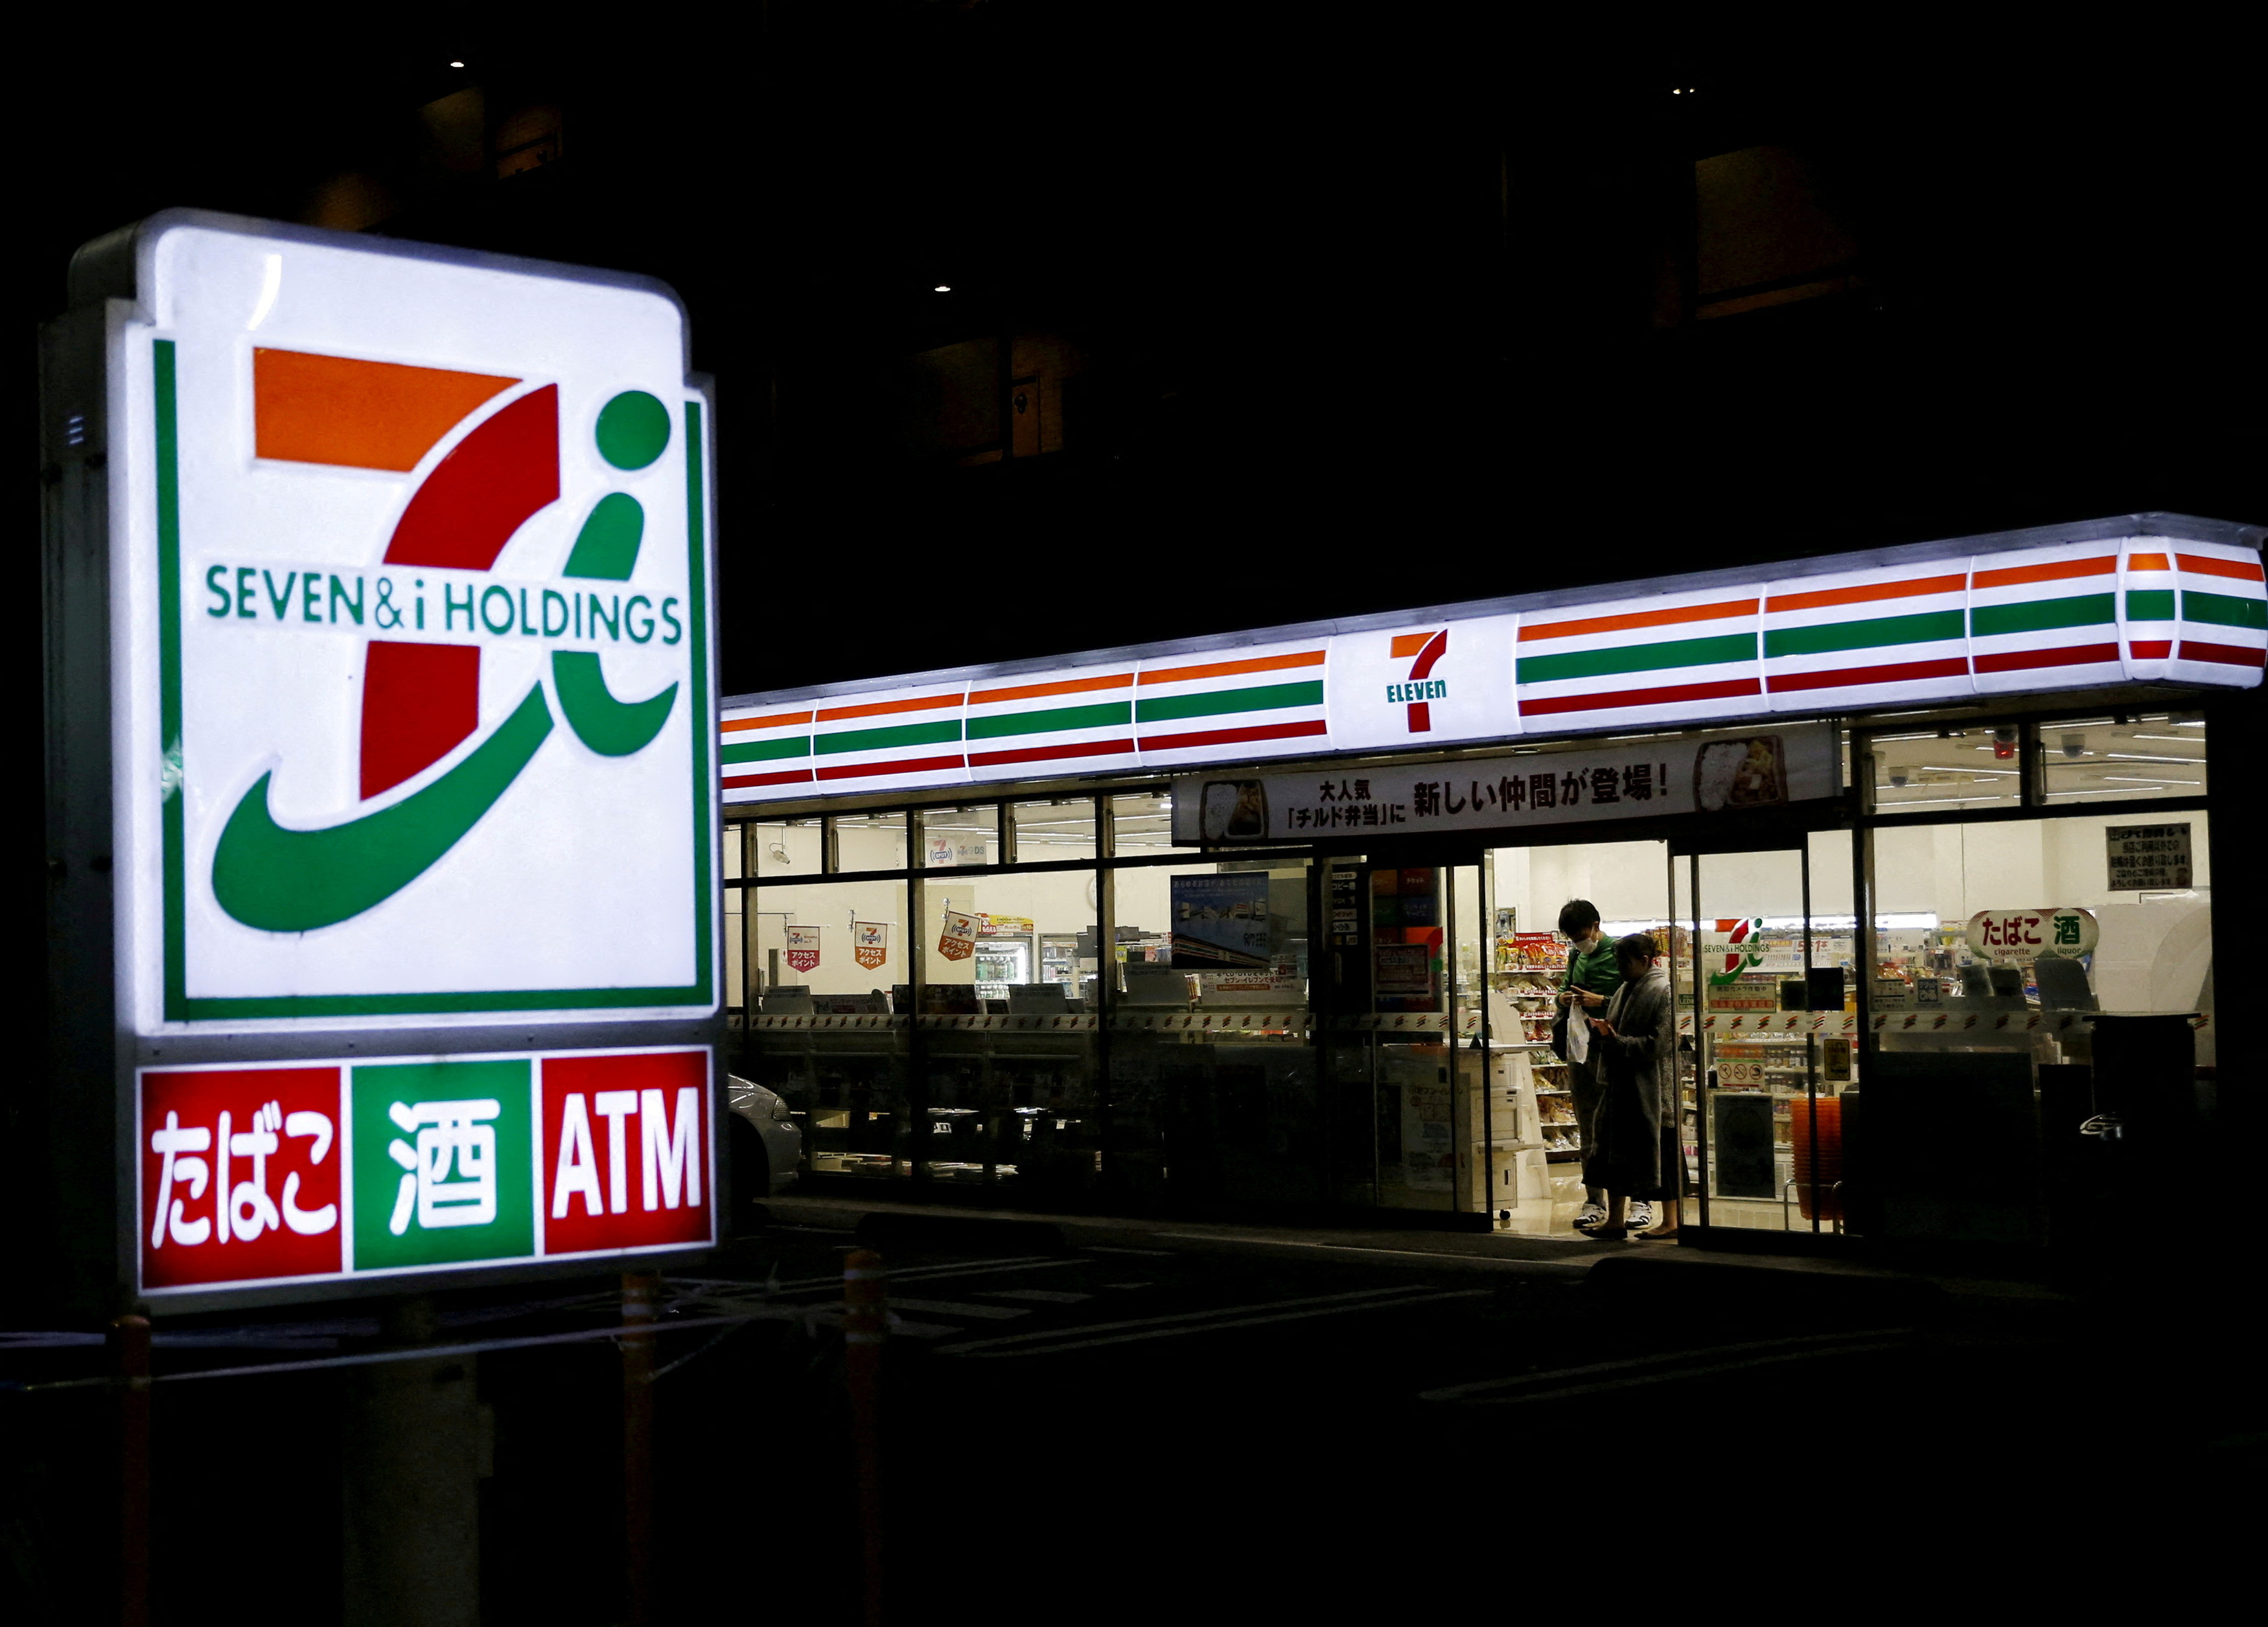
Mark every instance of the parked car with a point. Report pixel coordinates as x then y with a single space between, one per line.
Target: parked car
766 1145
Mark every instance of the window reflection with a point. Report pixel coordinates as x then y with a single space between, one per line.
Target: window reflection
2099 759
1939 770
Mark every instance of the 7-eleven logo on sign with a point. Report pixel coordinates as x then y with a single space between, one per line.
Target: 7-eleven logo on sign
426 701
1420 686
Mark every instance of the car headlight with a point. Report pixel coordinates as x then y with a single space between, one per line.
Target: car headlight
780 1111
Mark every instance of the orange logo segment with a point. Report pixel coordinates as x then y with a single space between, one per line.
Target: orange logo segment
309 408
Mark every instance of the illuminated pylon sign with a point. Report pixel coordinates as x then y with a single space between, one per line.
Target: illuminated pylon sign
398 516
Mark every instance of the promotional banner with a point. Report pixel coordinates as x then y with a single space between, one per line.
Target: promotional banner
1735 773
802 947
958 940
267 1173
870 943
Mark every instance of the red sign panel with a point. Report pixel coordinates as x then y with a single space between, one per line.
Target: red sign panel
240 1175
623 1161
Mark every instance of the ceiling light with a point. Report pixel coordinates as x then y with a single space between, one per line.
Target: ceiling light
2144 756
456 65
942 287
2132 780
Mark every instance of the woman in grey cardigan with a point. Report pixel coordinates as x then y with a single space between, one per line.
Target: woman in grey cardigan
1636 1041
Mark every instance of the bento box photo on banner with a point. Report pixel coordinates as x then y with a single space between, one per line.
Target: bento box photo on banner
414 647
263 1175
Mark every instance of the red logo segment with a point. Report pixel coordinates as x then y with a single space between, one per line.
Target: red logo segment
240 1175
624 1159
1428 648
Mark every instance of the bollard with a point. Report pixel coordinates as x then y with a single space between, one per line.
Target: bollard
129 1363
641 1302
865 1323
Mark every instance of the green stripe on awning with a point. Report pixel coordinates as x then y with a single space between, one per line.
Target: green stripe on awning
1101 714
767 751
1920 628
1260 698
2223 610
882 739
1645 657
2080 610
2150 604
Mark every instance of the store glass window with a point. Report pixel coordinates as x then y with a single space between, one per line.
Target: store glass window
1007 1041
1144 823
1226 1107
2101 759
786 848
822 953
870 842
1991 942
1049 832
957 838
1944 769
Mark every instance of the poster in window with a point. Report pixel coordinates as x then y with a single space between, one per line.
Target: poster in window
1220 922
802 947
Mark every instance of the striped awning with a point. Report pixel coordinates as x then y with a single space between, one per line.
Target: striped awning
2035 612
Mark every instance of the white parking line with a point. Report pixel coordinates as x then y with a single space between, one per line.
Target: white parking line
958 1307
1041 1296
1158 1253
1583 1265
1804 1345
1211 1327
930 1273
1197 1321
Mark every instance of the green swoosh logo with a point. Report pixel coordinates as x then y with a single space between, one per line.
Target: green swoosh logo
280 880
610 727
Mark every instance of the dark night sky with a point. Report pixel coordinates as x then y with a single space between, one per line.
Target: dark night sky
1347 378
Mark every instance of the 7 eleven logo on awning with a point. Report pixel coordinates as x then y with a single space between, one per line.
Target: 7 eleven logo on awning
430 685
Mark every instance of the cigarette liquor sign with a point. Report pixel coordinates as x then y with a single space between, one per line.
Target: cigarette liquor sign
414 647
265 1175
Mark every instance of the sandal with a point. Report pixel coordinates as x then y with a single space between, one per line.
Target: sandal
1609 1233
1658 1235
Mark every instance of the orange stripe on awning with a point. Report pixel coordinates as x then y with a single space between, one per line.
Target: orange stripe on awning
883 709
2148 561
1409 644
2241 570
1229 669
1035 691
1641 618
776 720
335 409
1869 593
2062 572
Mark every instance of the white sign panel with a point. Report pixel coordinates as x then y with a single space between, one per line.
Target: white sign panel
2148 859
1741 772
413 647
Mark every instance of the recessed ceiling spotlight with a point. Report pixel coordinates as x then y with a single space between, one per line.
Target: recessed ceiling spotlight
942 287
456 65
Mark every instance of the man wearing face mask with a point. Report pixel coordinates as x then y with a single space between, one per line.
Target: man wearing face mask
1592 976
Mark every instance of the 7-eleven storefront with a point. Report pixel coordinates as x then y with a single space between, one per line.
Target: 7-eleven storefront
1270 919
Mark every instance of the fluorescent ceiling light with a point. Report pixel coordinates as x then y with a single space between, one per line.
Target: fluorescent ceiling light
2131 780
1944 768
2144 756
